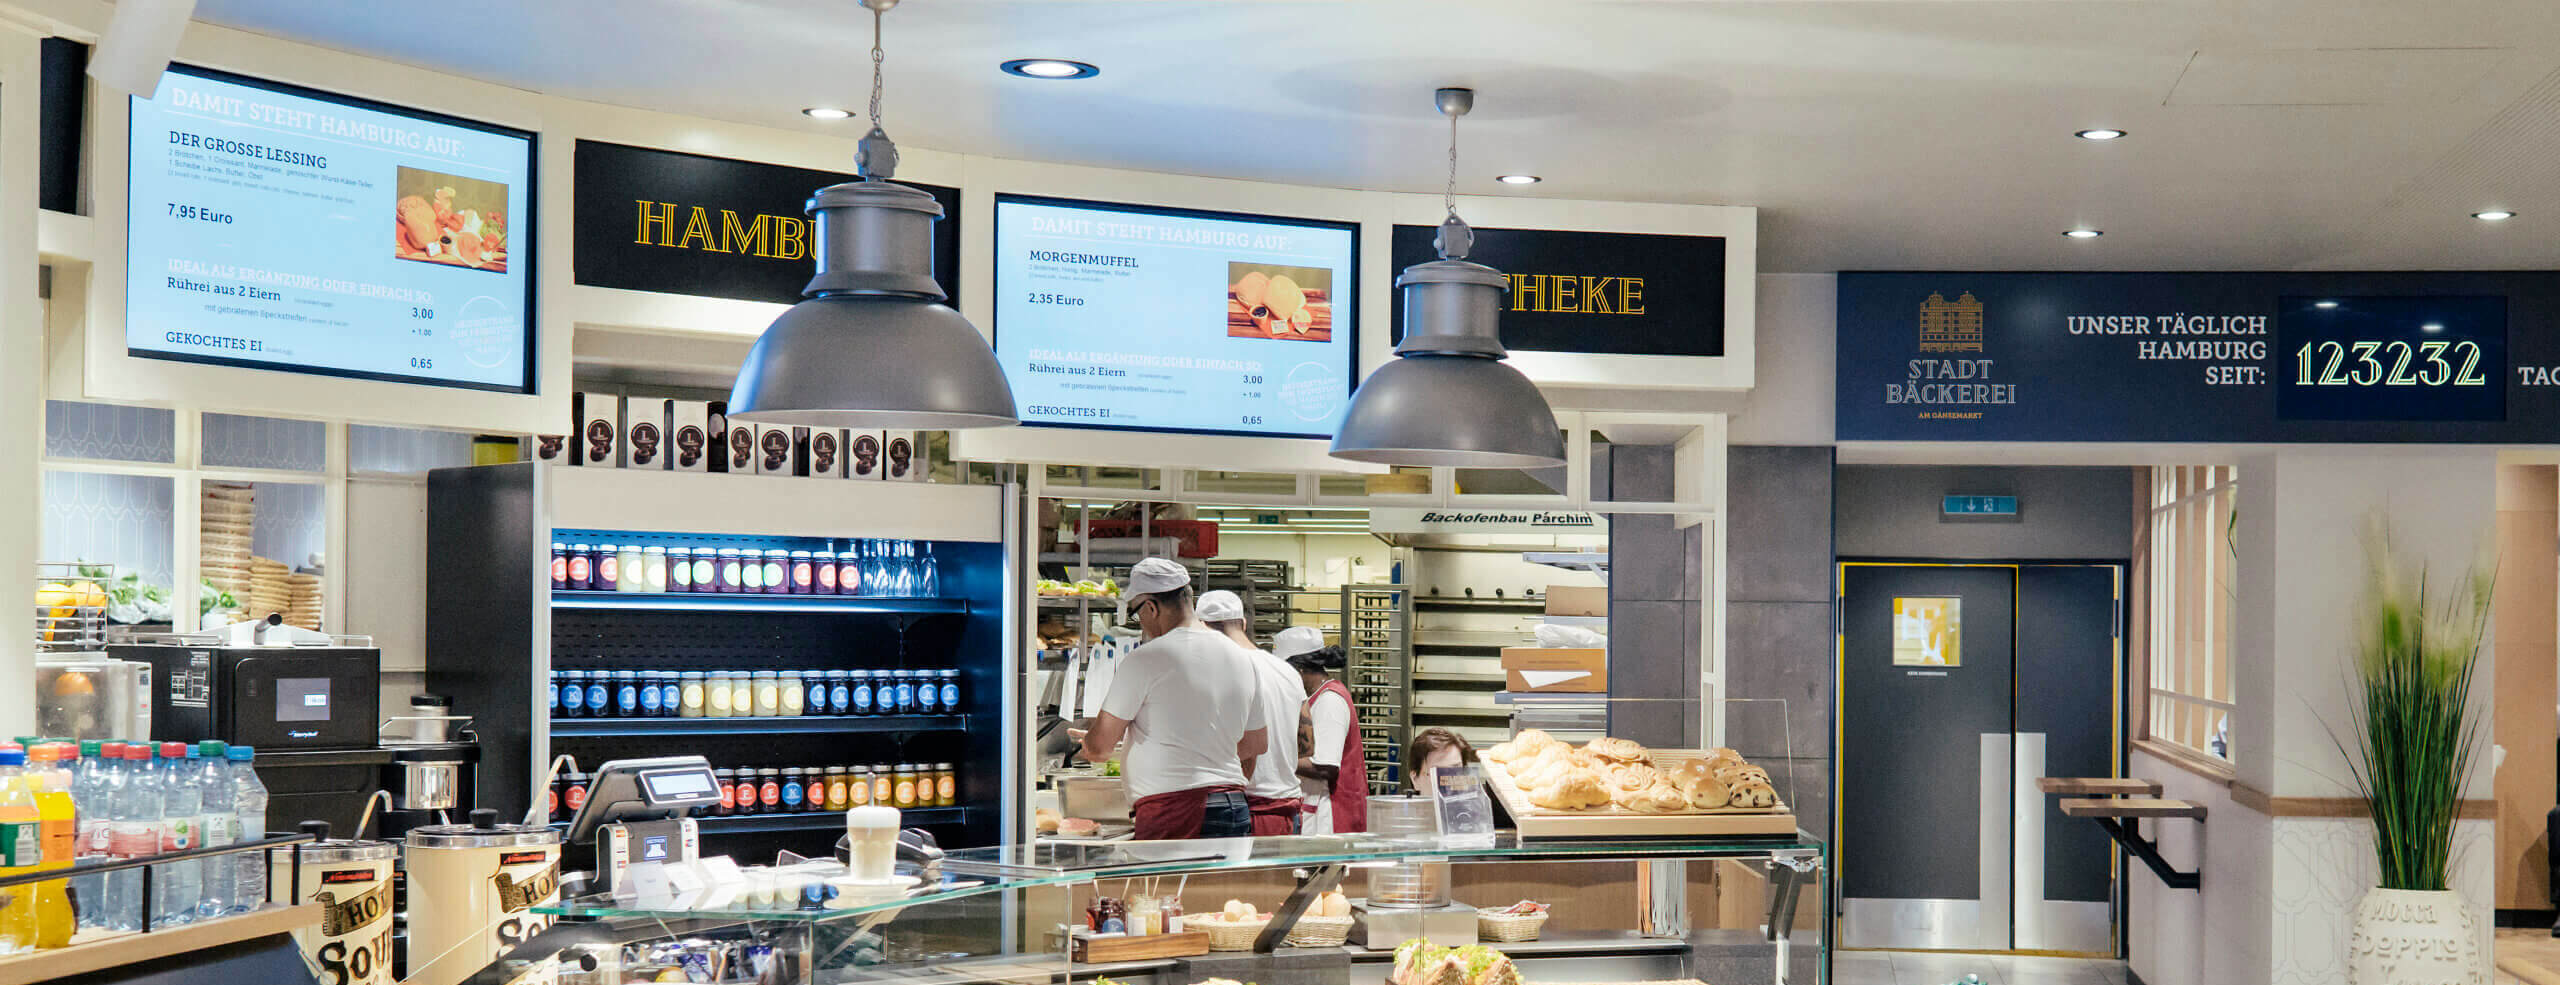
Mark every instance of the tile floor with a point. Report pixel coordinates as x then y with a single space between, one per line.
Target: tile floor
1931 968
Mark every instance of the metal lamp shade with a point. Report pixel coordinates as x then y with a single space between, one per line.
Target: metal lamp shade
870 345
1459 411
1448 398
872 362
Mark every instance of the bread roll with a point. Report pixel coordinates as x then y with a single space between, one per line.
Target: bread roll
1576 790
1661 798
1721 756
1250 289
1754 793
1535 739
1616 750
1632 777
1701 786
1284 298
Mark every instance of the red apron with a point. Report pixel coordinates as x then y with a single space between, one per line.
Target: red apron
1273 816
1349 797
1179 814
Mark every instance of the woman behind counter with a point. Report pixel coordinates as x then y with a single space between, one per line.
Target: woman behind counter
1331 766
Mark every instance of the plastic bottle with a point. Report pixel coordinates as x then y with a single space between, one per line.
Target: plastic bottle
90 790
221 827
249 799
21 848
178 886
58 825
136 834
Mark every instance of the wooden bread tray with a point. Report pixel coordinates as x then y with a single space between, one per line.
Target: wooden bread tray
1105 950
1614 821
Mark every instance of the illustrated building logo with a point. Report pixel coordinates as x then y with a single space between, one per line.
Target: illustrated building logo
1951 326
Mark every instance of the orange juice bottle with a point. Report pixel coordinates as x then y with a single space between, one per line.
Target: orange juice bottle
21 849
57 830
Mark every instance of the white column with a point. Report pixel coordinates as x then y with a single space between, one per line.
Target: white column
21 377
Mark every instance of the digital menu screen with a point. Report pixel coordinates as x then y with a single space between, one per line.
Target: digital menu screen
277 227
1154 319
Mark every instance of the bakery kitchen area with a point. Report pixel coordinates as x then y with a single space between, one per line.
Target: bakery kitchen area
819 492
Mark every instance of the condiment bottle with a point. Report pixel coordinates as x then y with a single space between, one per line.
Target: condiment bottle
742 693
652 696
728 791
804 573
626 694
857 786
777 572
706 573
928 697
716 696
902 791
906 692
573 693
946 785
768 694
608 568
769 790
823 564
582 562
599 694
948 682
814 701
795 790
750 570
690 699
838 789
653 568
559 565
730 577
634 568
863 693
679 569
883 781
793 697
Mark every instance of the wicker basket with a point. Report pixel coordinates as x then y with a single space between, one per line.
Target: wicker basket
1312 931
1508 928
1228 935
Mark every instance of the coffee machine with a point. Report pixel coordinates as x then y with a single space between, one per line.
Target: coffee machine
434 772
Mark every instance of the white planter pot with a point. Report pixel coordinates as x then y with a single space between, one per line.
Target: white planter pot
2408 937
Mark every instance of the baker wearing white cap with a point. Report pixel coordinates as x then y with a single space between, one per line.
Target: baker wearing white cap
1333 774
1272 792
1187 701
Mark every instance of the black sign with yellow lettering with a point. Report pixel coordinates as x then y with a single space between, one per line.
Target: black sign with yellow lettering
1643 294
654 220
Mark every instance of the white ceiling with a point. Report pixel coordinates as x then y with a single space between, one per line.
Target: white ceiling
1917 134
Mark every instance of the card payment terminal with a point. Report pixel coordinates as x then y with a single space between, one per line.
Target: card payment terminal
639 810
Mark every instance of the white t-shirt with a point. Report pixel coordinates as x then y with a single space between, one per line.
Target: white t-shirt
1275 775
1190 696
1331 717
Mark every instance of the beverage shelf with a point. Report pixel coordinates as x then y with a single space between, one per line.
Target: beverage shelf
697 602
641 728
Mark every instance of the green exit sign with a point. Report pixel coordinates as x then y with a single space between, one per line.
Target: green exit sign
1980 506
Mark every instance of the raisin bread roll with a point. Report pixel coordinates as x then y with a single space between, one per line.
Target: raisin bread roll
1754 793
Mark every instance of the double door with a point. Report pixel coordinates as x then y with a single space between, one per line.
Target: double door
1959 686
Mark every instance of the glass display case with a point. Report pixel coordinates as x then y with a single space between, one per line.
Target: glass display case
1720 910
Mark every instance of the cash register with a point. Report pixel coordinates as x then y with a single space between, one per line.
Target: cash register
640 811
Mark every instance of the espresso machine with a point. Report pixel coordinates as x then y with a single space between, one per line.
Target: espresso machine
434 771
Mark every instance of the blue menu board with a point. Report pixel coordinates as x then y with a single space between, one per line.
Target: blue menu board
276 227
1153 319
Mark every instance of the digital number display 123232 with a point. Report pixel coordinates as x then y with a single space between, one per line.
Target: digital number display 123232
2392 358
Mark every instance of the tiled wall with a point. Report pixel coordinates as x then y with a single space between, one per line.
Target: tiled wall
379 449
1778 595
292 522
126 434
124 520
1654 584
234 441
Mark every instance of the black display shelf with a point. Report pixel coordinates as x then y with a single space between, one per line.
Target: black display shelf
814 821
641 728
696 602
1532 604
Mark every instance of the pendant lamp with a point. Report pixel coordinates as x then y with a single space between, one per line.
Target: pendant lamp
870 345
1448 399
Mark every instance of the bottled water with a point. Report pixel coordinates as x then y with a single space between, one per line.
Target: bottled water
221 826
249 799
134 821
178 886
929 578
90 793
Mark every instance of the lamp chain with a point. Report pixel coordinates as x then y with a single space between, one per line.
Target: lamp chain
1449 192
876 56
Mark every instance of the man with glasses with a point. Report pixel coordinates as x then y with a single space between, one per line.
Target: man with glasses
1188 701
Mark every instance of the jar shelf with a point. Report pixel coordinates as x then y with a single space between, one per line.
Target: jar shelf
697 602
641 728
814 821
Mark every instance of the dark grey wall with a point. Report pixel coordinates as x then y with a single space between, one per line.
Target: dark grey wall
1893 511
1654 584
1778 641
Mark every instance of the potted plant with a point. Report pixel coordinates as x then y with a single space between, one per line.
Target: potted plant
2414 728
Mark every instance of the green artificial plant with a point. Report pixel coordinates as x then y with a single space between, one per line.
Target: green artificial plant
2414 726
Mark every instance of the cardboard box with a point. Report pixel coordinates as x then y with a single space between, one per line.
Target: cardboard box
1573 600
1555 669
719 430
689 435
552 448
781 450
644 434
865 458
905 451
599 438
739 451
826 453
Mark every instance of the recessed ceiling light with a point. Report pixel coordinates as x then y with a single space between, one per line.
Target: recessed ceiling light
2431 327
1050 68
2083 233
1518 179
2100 133
2493 215
826 113
2324 304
